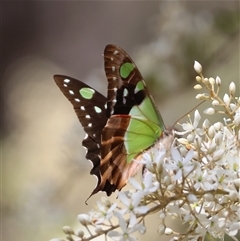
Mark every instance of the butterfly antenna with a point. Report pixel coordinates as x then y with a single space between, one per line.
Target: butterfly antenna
188 112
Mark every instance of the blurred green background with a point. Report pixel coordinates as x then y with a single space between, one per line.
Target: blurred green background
45 176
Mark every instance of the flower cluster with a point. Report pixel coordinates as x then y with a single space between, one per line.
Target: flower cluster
197 180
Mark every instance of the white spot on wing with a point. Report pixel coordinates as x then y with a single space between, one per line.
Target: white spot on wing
114 78
65 85
113 68
97 109
125 92
89 125
66 80
112 59
115 52
82 108
77 100
71 92
88 116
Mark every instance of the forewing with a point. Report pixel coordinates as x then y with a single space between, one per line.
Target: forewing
126 86
134 124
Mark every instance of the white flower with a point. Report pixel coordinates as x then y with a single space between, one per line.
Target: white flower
181 166
190 127
126 232
148 185
197 182
104 212
201 179
132 205
233 229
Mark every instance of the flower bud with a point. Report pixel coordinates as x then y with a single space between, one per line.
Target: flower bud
162 215
98 230
80 233
168 231
209 111
233 207
206 124
215 103
217 125
183 141
218 81
198 79
142 230
211 81
237 120
212 148
197 87
208 197
161 229
167 180
192 198
219 138
206 80
197 67
226 99
233 195
190 137
68 230
171 187
201 96
84 219
232 88
218 154
211 132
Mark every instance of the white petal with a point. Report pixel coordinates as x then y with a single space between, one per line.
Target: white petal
197 118
123 198
134 183
176 155
189 155
141 209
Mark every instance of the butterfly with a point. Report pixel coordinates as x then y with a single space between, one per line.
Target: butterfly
119 127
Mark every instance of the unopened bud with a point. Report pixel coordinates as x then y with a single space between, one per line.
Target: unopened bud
197 67
232 88
218 81
209 111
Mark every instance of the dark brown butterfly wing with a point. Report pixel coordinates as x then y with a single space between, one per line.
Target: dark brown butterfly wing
90 107
126 90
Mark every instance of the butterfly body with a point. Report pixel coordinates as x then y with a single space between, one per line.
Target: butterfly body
120 126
